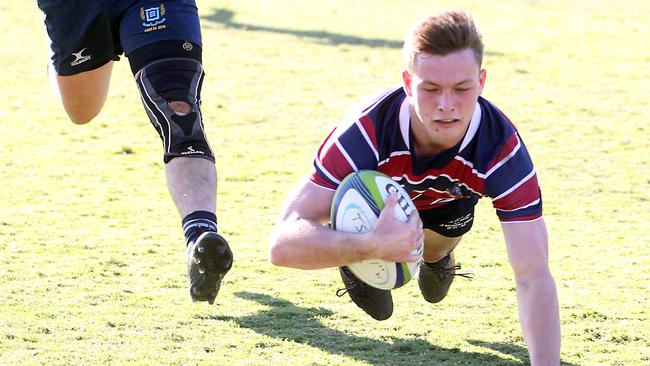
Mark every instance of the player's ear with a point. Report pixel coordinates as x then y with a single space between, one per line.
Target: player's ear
407 78
481 79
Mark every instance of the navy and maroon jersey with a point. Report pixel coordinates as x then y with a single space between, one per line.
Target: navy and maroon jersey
491 160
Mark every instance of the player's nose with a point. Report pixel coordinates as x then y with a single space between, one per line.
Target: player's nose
445 102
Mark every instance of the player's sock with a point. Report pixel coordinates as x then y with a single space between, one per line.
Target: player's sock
197 223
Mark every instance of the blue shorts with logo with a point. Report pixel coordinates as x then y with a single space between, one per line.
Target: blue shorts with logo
86 34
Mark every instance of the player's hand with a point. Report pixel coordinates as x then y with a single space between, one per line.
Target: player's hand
394 240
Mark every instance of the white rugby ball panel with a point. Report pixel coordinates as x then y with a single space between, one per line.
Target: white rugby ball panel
356 206
404 206
376 272
353 214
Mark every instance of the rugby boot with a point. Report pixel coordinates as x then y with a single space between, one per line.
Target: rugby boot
375 302
436 278
209 258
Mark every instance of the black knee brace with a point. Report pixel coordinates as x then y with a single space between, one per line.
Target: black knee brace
175 79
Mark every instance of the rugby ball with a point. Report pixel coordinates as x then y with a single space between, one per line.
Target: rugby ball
357 202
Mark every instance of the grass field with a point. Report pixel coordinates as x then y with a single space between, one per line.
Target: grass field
92 262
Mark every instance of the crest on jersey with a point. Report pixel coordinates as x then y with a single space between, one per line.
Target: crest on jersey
153 18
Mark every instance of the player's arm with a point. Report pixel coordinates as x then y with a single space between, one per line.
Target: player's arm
302 239
527 245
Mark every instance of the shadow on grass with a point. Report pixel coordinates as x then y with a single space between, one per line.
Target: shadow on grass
507 348
288 322
225 18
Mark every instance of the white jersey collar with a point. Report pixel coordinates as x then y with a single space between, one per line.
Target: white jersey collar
473 127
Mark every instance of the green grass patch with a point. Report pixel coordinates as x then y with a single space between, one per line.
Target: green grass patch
92 261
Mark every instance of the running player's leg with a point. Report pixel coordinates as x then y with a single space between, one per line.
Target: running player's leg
163 44
82 54
83 95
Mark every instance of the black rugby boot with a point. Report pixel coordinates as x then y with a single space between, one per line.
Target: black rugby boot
209 258
436 278
375 302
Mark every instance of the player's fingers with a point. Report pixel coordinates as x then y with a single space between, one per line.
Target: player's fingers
420 238
412 256
391 201
415 221
389 206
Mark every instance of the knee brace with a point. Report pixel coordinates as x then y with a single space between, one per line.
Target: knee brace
168 80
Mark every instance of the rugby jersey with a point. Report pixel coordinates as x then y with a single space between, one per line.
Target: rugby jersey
490 161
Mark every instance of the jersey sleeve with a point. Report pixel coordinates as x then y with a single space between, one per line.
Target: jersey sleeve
511 182
349 147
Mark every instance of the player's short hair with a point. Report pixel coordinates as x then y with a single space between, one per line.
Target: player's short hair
442 34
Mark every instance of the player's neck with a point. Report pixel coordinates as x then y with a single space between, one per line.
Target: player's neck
427 150
426 145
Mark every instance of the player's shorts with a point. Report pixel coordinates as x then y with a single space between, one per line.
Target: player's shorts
452 219
86 34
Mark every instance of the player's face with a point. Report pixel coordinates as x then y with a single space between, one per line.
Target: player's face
443 91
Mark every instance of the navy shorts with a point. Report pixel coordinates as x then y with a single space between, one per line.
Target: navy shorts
86 34
452 219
